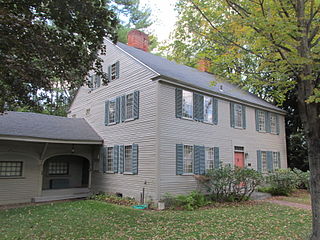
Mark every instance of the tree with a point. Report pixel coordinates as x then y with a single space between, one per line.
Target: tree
48 44
272 46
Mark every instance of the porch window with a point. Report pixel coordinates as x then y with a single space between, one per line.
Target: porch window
238 116
207 109
112 111
58 168
262 121
187 104
188 159
109 159
273 123
209 156
10 169
128 159
129 106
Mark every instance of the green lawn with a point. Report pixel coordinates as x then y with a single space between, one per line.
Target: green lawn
301 196
90 219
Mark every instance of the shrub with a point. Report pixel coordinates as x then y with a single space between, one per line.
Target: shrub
282 182
228 184
303 179
127 201
189 202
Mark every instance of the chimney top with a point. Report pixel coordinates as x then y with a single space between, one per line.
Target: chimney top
138 40
203 65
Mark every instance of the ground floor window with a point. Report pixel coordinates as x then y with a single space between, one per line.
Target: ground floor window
11 168
276 160
209 155
188 157
109 159
128 158
264 163
58 168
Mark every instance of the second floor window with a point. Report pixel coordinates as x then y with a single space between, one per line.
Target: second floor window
112 111
262 121
113 71
238 115
129 106
187 104
207 111
188 156
273 123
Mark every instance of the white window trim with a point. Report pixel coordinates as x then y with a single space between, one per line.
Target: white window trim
235 114
124 160
204 103
265 119
188 118
266 169
206 160
115 116
275 128
126 114
185 173
112 166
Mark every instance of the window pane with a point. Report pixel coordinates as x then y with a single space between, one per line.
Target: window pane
208 109
264 161
129 106
113 71
10 168
276 160
262 121
187 104
273 123
238 115
58 168
112 111
209 155
110 159
128 159
188 159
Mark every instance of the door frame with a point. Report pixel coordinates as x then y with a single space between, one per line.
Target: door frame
239 151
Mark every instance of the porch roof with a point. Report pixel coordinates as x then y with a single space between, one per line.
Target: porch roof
27 126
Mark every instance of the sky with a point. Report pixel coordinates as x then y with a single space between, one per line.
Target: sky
163 15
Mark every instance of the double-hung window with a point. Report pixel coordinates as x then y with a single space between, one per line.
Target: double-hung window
207 110
262 121
113 71
273 123
128 158
238 118
129 106
209 156
276 160
188 158
110 161
187 104
112 111
11 168
264 162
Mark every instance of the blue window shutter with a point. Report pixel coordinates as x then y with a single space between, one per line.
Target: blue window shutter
135 158
117 69
215 111
118 109
104 159
231 114
196 169
269 161
198 107
277 124
216 157
244 117
202 160
259 163
115 158
178 102
109 73
98 81
136 105
267 118
279 159
106 113
257 120
179 159
121 158
123 108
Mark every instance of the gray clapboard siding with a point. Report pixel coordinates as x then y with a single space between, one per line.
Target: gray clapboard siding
174 131
141 131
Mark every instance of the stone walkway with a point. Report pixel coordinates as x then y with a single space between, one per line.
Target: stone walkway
290 204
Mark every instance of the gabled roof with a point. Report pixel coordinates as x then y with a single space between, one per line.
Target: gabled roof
41 127
190 76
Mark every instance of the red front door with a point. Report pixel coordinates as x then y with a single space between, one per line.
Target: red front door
239 159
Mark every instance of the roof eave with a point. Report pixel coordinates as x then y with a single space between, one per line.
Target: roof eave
220 95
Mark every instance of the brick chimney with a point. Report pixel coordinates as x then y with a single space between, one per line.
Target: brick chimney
203 65
138 40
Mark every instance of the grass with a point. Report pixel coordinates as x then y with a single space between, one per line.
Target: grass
99 220
300 196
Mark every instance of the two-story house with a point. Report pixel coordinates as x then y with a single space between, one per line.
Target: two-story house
162 122
154 126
